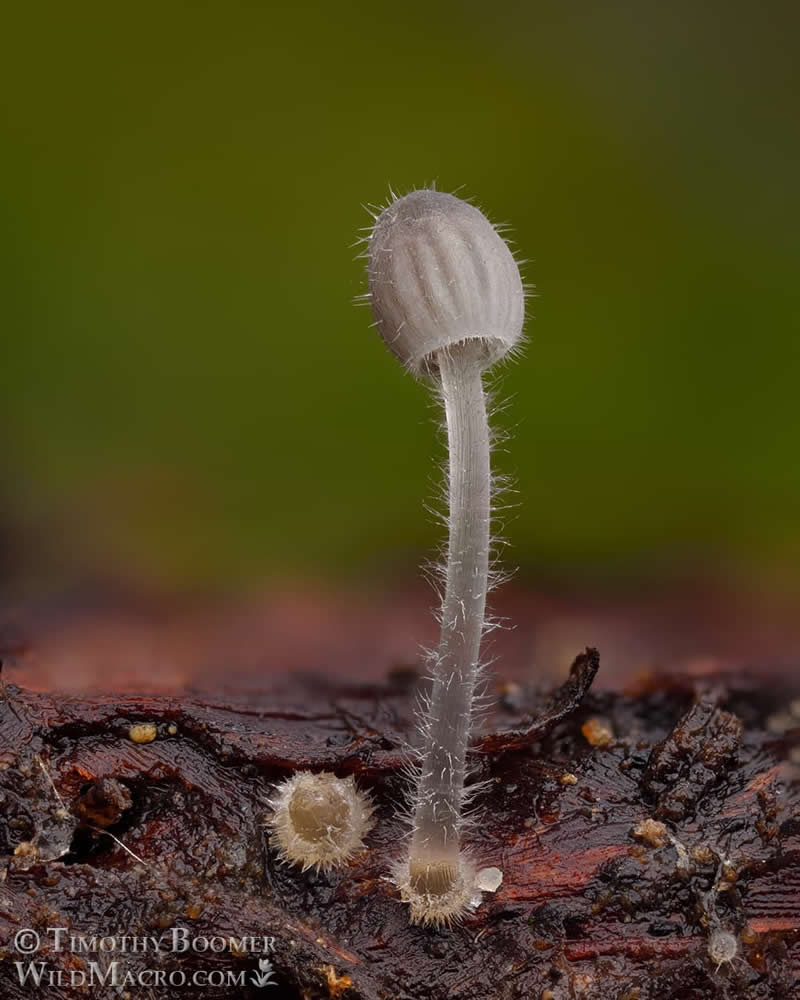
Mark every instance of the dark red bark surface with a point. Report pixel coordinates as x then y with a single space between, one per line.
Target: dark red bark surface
107 836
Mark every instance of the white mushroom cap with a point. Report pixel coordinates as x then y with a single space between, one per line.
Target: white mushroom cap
439 274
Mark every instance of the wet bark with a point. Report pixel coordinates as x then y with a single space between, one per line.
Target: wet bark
629 829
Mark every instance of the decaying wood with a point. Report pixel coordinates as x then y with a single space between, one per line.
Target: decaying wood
628 829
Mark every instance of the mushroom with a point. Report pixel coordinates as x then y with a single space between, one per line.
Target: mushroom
318 820
448 302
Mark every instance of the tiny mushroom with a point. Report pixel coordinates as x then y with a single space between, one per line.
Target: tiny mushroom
318 820
448 302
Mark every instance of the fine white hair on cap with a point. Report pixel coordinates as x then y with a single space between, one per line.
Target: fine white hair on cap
439 274
318 820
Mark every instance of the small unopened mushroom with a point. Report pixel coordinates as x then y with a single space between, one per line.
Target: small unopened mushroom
722 948
319 820
448 301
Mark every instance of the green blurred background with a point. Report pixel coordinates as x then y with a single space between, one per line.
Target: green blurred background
188 395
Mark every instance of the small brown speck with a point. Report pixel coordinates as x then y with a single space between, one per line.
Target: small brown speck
143 732
728 876
597 731
336 984
749 936
569 779
651 832
172 729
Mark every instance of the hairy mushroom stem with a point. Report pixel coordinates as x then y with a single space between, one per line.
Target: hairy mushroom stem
434 857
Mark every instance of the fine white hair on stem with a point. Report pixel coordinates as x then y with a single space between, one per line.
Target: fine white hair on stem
448 302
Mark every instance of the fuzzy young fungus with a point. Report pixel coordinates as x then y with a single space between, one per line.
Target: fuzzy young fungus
319 820
448 301
722 948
